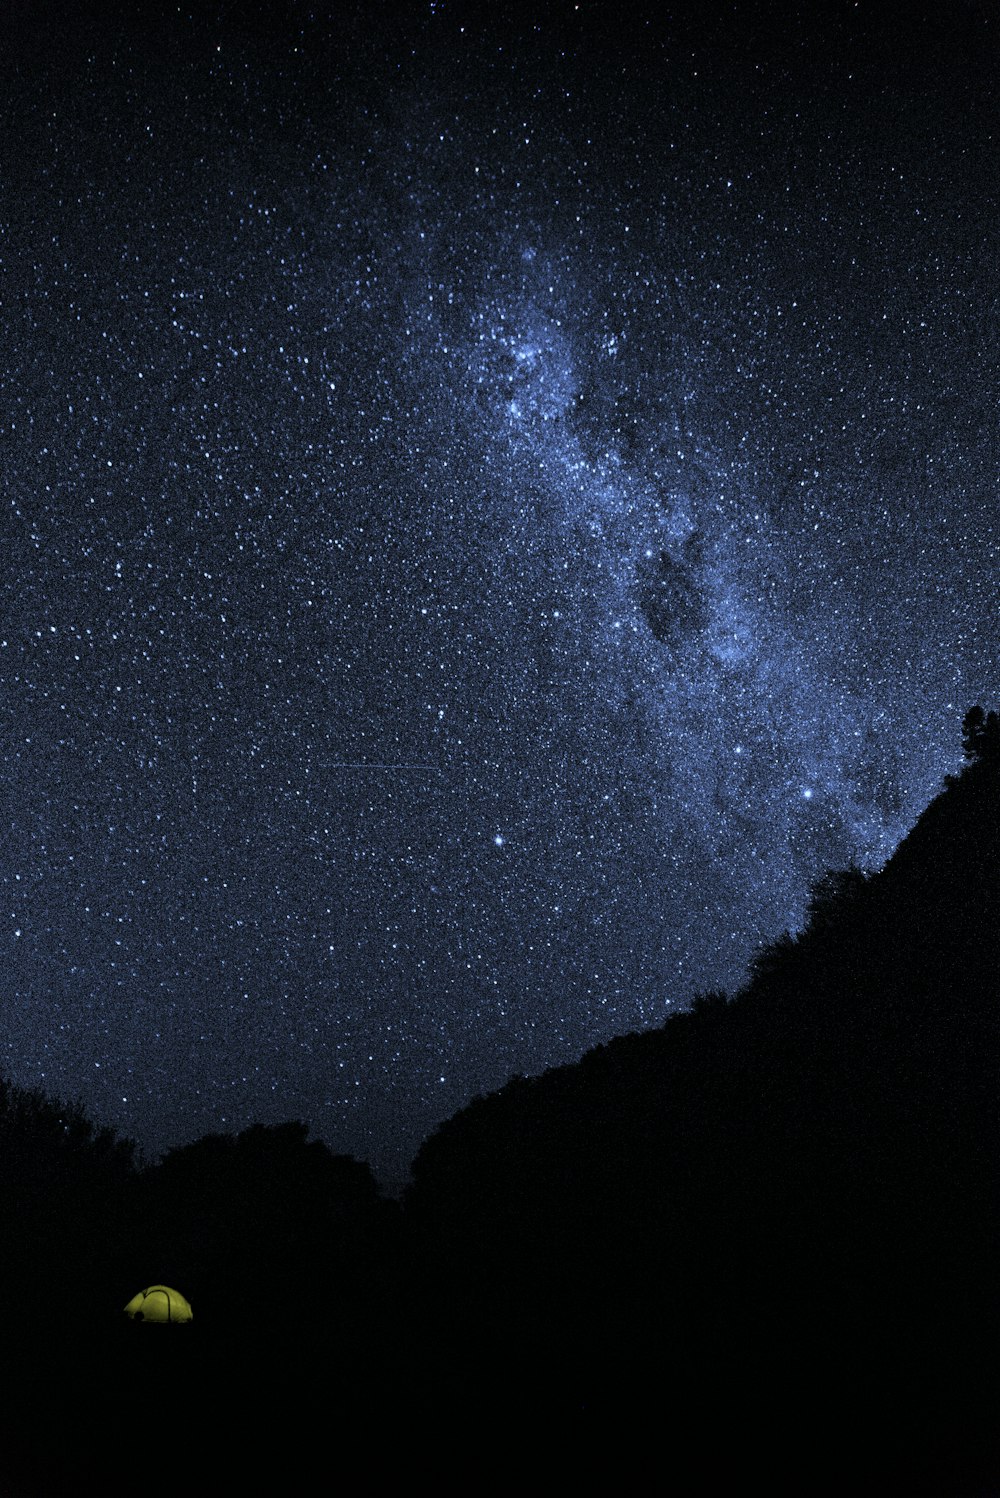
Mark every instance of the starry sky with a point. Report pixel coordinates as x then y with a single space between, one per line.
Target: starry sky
494 503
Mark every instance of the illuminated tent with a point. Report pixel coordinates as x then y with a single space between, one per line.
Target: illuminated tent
158 1303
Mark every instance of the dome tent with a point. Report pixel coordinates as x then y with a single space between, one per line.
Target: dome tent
159 1303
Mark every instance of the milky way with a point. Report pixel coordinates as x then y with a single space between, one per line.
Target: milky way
491 514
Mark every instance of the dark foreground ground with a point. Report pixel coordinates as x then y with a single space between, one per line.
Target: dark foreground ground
115 1410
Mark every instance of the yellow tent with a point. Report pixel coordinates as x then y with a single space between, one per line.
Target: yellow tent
158 1303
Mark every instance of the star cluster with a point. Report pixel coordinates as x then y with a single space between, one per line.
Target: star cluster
491 511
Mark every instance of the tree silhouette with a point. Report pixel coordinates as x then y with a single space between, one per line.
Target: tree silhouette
63 1184
832 897
255 1226
981 736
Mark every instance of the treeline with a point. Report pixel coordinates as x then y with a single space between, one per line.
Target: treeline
294 1264
245 1225
760 1242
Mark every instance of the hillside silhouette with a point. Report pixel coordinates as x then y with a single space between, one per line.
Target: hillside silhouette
777 1216
759 1242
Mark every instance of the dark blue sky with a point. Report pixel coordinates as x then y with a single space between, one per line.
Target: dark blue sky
492 508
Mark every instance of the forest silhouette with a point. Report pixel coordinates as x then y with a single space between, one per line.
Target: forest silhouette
759 1242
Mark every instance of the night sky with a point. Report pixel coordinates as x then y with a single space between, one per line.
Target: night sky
493 505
